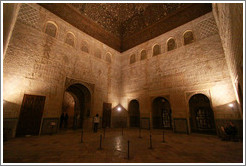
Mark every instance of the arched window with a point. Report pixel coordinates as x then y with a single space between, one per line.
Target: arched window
188 37
84 47
132 59
108 57
70 39
156 50
143 54
98 53
161 113
51 29
171 44
201 114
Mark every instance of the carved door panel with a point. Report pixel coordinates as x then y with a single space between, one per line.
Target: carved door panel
106 119
30 115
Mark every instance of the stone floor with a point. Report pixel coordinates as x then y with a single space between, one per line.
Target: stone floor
66 147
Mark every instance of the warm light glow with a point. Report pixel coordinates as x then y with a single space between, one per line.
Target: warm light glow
119 108
230 105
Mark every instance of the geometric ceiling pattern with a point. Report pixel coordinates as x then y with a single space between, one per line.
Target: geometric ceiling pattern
123 19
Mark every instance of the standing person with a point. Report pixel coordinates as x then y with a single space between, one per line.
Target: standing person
65 120
62 119
96 122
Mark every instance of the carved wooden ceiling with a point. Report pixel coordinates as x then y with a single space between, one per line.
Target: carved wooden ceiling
125 25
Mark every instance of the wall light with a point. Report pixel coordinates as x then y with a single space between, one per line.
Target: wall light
230 105
119 108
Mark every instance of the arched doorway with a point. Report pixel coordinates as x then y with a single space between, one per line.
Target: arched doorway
161 113
77 104
134 113
201 114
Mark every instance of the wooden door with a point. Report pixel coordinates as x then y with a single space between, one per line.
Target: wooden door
30 115
134 113
106 120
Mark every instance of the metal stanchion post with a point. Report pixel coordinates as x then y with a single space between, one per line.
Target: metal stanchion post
150 141
140 132
163 139
122 130
128 150
100 142
82 133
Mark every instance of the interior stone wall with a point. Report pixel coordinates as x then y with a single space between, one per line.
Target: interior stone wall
10 11
199 67
38 64
229 18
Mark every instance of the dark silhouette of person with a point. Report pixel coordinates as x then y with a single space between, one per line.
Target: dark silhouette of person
231 130
66 120
62 119
96 122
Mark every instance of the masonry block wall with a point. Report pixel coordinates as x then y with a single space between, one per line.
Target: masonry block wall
45 61
39 64
199 67
229 18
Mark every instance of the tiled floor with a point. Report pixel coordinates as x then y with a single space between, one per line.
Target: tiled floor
66 147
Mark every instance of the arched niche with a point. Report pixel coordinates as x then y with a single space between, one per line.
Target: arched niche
70 39
132 58
171 44
51 28
188 37
143 55
84 47
156 50
108 57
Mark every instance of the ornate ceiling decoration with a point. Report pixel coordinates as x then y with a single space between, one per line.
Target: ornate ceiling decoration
125 25
124 19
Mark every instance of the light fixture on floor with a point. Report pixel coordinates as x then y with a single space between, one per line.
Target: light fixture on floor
119 108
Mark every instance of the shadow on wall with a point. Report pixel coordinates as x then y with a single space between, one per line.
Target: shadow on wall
9 124
119 117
